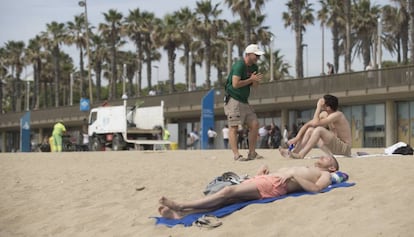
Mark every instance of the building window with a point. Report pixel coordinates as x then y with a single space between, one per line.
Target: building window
403 122
374 125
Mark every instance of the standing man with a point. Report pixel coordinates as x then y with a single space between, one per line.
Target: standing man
211 137
331 68
58 130
329 130
243 75
225 132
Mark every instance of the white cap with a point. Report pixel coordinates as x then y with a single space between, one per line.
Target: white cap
253 48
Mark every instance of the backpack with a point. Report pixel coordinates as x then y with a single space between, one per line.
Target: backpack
218 183
404 150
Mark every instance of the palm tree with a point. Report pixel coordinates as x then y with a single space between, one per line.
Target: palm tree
243 9
186 24
233 32
167 36
15 53
260 33
127 59
280 67
98 55
411 14
365 28
52 39
133 29
3 74
396 28
75 36
111 32
34 55
218 61
298 16
207 29
149 22
332 15
348 45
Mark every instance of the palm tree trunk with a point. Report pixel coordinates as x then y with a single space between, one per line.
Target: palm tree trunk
114 75
82 74
98 71
57 73
208 63
411 9
348 47
171 70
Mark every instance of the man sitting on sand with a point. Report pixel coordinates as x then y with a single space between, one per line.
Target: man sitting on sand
263 185
331 132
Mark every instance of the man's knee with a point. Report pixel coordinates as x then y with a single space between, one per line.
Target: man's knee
309 130
253 125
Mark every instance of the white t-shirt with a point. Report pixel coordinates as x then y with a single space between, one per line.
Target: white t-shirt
262 131
211 133
225 132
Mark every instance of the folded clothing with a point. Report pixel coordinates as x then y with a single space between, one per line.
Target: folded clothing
339 177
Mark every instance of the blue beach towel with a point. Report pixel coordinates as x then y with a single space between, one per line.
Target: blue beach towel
224 211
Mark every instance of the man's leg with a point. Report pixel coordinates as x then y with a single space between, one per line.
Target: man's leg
301 143
253 131
319 133
233 141
58 142
233 194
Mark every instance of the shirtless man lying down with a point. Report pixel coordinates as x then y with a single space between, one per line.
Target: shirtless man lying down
263 185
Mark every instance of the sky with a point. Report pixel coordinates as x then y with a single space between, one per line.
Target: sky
24 19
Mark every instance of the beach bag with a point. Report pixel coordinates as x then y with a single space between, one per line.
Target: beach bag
218 183
404 150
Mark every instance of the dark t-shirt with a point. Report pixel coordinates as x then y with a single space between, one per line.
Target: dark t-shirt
244 72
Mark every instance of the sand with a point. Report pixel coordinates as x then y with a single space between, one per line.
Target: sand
116 194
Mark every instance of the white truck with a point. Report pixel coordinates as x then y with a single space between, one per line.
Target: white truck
122 127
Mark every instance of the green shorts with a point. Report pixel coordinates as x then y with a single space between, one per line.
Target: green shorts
239 113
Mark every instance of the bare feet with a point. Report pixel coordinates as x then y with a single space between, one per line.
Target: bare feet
166 212
294 155
284 152
169 203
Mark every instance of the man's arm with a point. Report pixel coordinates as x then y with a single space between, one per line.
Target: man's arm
315 120
253 80
323 182
331 118
263 170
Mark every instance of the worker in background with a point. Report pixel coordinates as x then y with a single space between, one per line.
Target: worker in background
58 130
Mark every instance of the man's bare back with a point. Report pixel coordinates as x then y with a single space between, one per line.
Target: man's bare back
340 127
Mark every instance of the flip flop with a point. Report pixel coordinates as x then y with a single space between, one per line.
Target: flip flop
238 157
208 221
245 159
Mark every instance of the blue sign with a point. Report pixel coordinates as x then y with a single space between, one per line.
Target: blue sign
84 104
25 133
207 117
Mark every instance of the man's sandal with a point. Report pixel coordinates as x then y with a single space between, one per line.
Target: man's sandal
238 157
208 221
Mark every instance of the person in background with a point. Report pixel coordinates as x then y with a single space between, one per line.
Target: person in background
58 130
225 132
285 135
211 137
331 68
166 137
194 139
264 135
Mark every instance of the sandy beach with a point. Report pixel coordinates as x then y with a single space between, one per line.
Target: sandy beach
117 193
